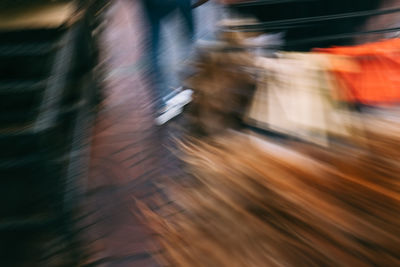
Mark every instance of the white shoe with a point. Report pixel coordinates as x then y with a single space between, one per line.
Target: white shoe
181 99
174 92
168 114
174 106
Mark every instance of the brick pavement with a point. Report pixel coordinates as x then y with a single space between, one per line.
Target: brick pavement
130 155
127 149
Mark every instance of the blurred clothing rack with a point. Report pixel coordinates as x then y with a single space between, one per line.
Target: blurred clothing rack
306 25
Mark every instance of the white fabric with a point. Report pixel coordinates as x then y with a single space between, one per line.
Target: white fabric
294 98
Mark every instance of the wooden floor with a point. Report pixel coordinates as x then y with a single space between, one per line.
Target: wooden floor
130 155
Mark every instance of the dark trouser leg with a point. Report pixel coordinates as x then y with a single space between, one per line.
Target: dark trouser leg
156 73
186 12
156 10
154 15
186 48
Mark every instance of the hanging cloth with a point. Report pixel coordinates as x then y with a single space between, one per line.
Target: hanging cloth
377 79
294 98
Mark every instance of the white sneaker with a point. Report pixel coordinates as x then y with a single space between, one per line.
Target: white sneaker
174 106
181 99
174 92
169 114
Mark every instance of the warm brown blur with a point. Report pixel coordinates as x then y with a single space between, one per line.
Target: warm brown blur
222 91
255 203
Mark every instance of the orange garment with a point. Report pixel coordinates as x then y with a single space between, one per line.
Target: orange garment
377 80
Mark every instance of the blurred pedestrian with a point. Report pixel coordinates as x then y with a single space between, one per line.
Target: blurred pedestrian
156 11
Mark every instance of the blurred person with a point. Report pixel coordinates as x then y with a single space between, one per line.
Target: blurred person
156 12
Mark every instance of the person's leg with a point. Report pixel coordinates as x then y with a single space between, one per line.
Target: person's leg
185 8
186 40
155 10
178 44
177 99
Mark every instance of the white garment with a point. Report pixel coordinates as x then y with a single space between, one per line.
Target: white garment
294 98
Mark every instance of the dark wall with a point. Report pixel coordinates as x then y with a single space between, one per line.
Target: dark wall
311 8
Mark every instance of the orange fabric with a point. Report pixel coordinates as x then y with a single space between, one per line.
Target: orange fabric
378 79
